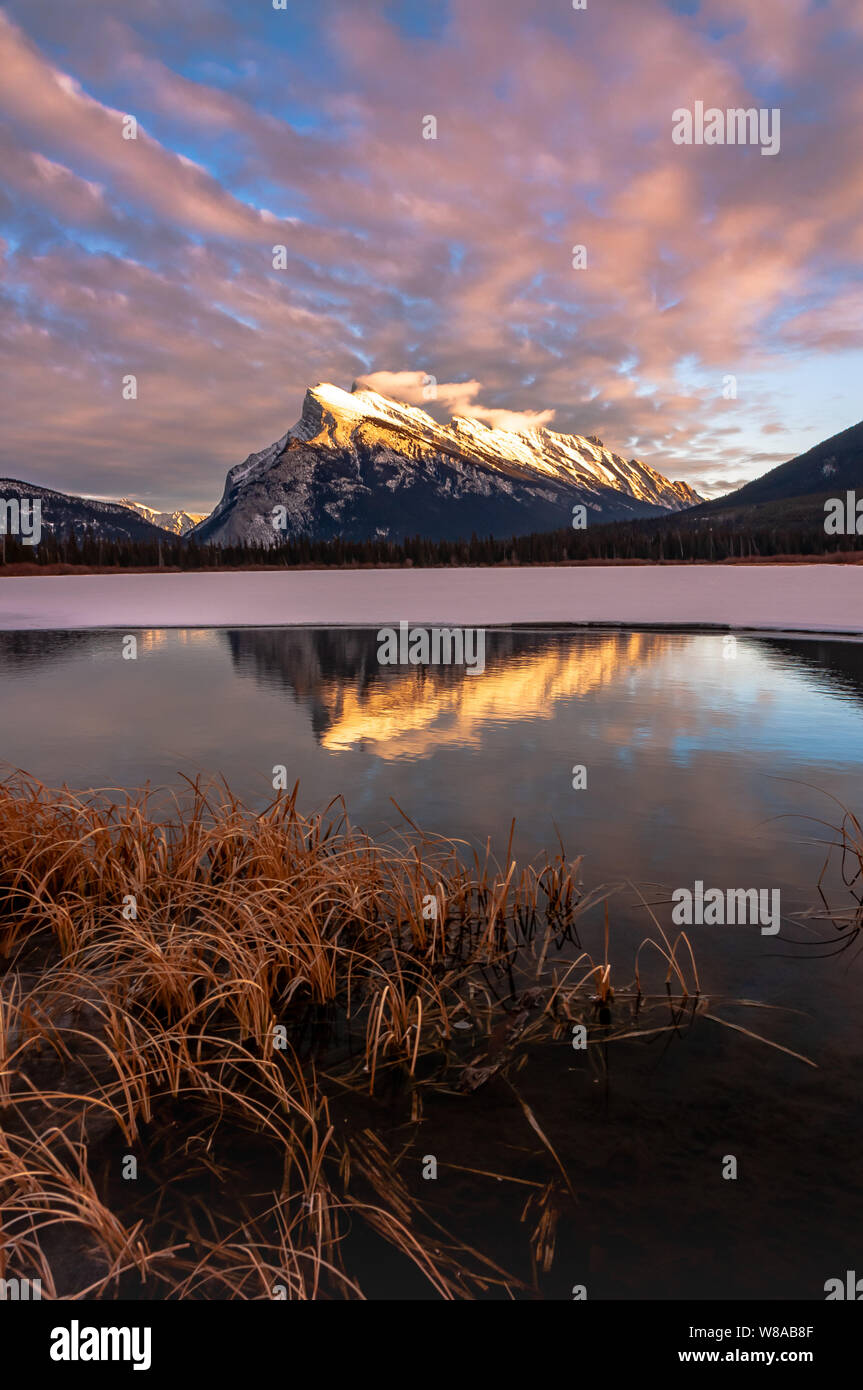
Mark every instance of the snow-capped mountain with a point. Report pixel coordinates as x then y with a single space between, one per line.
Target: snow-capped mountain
179 523
65 515
357 465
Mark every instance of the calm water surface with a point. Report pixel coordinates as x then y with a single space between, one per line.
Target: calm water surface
704 760
702 763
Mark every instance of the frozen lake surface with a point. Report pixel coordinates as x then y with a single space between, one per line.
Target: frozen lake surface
792 598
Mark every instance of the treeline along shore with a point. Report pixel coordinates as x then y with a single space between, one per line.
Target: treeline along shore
616 543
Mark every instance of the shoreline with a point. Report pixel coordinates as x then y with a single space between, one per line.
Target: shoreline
792 598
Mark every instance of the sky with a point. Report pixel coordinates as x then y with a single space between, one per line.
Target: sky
715 330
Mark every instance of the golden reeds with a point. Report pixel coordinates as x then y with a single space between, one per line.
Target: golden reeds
214 998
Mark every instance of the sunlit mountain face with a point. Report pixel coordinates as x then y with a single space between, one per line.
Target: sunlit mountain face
359 466
179 523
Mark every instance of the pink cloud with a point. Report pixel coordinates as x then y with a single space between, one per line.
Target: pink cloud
556 133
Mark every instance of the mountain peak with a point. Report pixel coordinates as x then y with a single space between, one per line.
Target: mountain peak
358 464
179 522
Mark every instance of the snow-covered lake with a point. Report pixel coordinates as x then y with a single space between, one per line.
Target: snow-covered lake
793 598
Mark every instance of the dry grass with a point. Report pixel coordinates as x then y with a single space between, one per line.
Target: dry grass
238 1033
843 860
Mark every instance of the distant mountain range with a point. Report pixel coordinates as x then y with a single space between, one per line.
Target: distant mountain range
178 523
63 514
359 466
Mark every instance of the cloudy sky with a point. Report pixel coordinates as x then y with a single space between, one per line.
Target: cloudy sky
409 257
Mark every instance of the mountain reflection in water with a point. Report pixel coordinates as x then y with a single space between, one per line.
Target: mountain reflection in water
411 711
703 758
